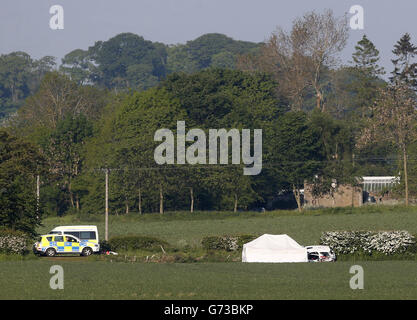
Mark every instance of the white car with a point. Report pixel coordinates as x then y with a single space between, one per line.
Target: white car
320 254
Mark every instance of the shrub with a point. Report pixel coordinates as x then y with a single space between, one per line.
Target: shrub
226 242
132 242
13 242
368 242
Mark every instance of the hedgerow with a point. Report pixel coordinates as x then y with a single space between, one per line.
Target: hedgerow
386 242
226 242
13 242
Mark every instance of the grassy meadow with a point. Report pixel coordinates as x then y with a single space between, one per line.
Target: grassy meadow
106 280
101 277
184 228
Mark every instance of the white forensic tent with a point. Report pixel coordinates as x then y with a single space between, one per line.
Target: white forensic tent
274 248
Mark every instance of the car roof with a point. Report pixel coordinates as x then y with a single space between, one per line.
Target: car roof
317 247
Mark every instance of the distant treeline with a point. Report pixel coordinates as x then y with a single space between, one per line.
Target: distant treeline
126 61
322 122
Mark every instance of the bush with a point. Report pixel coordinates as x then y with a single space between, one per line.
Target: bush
13 242
369 242
226 242
136 243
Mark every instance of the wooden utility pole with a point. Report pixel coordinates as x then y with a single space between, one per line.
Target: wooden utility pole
405 175
161 201
192 199
106 225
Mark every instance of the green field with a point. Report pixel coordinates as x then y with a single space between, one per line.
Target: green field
99 278
182 229
105 280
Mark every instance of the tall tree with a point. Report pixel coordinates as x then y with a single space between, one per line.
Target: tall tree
15 71
58 97
65 154
299 58
405 70
366 73
394 120
297 153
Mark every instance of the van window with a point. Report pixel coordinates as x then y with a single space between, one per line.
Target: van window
74 233
86 235
49 239
59 238
70 239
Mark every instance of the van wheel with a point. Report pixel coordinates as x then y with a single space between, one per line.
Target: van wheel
87 252
50 252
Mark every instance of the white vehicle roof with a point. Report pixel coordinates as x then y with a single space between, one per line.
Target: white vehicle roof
54 235
318 248
75 228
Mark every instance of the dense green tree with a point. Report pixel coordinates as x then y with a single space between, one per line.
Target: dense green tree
221 97
296 153
20 163
124 61
79 66
64 150
115 56
179 60
126 142
210 50
20 76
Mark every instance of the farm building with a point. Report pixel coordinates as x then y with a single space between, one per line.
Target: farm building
346 195
342 196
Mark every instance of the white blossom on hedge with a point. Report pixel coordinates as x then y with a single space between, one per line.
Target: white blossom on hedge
387 242
13 244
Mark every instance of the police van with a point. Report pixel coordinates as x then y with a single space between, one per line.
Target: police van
84 233
52 244
69 239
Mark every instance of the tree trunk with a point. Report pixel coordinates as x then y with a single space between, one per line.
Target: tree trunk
297 196
318 100
235 207
77 202
161 201
140 200
38 184
405 174
353 187
127 207
71 195
192 199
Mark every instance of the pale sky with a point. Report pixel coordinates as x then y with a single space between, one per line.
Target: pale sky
24 24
